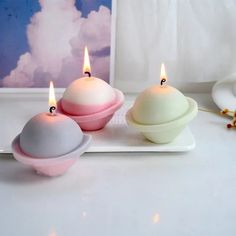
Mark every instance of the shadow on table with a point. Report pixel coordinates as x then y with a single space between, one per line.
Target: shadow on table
16 173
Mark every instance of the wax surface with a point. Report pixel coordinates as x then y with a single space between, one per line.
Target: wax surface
157 105
46 136
81 110
89 91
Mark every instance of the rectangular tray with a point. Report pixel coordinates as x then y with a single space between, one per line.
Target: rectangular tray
17 109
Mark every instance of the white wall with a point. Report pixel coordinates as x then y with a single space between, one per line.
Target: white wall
194 38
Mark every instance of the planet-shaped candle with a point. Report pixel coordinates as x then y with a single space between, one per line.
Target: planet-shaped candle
50 142
90 101
161 112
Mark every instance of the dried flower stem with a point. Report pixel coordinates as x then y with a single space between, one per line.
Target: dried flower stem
222 113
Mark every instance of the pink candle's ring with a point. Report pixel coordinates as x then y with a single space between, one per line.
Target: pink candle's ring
53 166
96 120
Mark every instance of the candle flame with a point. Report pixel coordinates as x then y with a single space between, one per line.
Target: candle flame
86 68
52 99
53 233
163 77
156 218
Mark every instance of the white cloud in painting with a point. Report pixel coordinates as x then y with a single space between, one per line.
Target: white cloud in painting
57 36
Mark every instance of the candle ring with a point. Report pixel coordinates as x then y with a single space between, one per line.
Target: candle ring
52 109
88 73
163 81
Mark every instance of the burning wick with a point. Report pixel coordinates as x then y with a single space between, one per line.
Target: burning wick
88 73
163 77
52 100
163 80
52 110
86 67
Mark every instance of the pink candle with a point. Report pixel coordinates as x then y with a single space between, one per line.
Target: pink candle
90 99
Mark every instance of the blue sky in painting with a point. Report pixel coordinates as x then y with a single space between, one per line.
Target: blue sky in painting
15 16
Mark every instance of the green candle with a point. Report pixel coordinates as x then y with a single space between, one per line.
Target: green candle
161 111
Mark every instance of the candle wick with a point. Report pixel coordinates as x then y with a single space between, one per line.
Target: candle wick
88 73
52 110
163 80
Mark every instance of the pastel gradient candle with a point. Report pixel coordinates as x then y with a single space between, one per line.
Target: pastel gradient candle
90 101
161 112
50 142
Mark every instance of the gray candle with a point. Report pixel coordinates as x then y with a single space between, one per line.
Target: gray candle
46 136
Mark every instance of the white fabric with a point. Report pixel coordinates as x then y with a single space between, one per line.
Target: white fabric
196 39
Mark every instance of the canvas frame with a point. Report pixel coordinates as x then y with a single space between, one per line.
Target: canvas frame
4 90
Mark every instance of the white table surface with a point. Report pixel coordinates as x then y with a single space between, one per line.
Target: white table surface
182 194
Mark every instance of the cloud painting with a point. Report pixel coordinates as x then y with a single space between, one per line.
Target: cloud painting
51 44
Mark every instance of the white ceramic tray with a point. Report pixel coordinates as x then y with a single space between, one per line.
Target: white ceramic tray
16 109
